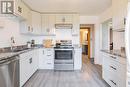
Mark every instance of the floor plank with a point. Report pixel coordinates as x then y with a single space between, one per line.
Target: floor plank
89 76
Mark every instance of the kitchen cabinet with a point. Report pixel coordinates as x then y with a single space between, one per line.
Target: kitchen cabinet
114 70
76 25
36 23
64 18
26 26
32 25
28 65
48 24
77 58
18 9
119 14
46 59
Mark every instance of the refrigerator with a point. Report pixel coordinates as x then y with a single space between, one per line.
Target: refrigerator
127 43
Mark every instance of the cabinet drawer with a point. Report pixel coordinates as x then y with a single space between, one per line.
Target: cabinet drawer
110 78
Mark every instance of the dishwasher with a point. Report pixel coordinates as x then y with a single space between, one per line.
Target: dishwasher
9 72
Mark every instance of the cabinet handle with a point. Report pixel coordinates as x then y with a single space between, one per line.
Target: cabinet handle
113 67
113 57
30 60
113 82
43 52
32 29
19 9
48 55
49 63
29 28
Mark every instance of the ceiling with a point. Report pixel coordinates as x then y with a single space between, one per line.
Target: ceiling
84 7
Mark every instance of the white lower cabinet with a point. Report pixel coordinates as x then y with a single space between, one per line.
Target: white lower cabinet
46 58
28 65
77 58
114 70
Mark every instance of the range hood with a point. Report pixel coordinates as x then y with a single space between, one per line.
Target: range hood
63 26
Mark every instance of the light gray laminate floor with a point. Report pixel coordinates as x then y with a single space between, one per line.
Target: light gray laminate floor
89 76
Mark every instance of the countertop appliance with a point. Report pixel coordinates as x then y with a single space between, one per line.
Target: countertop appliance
127 41
9 72
64 56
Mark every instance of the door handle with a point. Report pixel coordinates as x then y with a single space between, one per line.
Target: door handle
113 82
30 60
113 67
113 57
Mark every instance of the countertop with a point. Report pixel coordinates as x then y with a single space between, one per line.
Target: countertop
8 54
116 53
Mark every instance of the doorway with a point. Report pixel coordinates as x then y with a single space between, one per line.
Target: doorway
87 40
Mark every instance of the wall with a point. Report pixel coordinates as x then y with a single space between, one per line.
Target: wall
93 20
11 28
106 15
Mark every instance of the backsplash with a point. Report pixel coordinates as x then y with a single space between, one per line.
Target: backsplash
11 28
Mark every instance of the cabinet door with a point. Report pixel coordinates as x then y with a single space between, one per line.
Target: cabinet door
76 26
18 9
26 26
64 18
77 58
41 58
35 60
51 24
45 25
48 24
24 71
36 22
119 14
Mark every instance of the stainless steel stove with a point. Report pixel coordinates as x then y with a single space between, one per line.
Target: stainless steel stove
64 56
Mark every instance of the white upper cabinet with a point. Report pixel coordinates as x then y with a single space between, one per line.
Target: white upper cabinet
44 24
119 14
36 23
64 18
18 9
26 26
76 25
48 24
32 25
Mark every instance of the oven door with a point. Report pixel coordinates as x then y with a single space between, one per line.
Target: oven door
63 54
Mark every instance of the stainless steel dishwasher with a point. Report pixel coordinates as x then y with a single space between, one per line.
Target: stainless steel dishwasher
9 72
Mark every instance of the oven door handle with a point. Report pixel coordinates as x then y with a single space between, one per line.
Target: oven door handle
64 49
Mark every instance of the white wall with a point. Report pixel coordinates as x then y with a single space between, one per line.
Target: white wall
11 28
106 15
93 20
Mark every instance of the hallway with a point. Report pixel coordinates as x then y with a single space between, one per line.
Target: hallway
89 76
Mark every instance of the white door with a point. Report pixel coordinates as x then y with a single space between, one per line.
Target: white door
127 39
